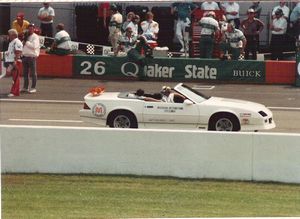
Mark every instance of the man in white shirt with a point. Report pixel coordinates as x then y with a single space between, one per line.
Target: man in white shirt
232 10
234 41
278 38
209 26
150 27
210 6
11 60
62 41
31 50
46 15
285 10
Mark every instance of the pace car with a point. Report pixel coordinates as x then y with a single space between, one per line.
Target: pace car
194 111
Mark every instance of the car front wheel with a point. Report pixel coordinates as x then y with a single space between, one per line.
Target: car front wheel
224 123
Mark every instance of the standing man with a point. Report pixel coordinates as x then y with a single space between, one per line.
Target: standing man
183 10
278 28
31 50
252 27
115 25
20 25
234 42
11 59
46 15
232 12
210 6
103 21
209 27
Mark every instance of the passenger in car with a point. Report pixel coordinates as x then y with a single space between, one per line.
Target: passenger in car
140 95
170 96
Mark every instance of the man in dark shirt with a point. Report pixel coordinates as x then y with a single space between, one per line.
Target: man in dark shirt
252 28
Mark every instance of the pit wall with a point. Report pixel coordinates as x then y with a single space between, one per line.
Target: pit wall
168 69
186 154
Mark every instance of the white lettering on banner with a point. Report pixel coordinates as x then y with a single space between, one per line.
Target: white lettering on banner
247 74
157 71
130 73
99 68
200 72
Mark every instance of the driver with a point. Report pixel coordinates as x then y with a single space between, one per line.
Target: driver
169 96
140 95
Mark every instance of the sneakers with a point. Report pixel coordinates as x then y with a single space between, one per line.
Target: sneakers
182 50
32 91
10 95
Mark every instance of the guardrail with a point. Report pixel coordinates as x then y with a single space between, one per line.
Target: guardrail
188 154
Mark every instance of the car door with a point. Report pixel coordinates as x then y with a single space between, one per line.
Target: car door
163 113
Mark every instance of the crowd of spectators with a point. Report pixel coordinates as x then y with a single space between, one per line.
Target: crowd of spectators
238 37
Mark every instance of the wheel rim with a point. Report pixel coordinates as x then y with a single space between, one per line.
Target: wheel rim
121 121
224 124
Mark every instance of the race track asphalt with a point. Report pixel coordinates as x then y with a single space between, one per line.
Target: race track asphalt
58 101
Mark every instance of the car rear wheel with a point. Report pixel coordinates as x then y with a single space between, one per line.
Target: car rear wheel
122 120
224 122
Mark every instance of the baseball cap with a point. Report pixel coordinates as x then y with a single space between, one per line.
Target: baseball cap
250 10
31 25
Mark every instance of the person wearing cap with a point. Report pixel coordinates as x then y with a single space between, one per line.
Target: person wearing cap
278 37
129 19
251 28
31 50
62 41
114 28
183 10
209 26
257 9
46 15
12 61
20 24
285 10
234 42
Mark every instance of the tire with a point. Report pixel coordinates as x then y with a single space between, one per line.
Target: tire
224 122
122 119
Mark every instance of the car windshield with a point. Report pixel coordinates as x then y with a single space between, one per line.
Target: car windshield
191 93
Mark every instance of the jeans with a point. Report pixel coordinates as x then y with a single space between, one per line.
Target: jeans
29 64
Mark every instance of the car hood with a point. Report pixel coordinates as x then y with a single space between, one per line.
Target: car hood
234 103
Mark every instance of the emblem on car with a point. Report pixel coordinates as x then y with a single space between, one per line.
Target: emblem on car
99 110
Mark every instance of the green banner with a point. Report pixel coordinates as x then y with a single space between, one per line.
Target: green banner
298 69
176 69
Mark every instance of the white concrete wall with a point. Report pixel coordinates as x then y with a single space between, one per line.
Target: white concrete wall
192 154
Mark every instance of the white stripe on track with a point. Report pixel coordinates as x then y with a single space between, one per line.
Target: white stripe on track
46 120
81 102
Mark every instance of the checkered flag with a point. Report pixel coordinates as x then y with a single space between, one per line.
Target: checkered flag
90 49
170 55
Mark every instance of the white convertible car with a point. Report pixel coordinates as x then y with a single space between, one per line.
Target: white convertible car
196 111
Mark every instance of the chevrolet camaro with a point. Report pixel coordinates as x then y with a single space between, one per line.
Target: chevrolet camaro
193 110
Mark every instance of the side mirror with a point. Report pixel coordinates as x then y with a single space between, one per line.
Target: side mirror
188 102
